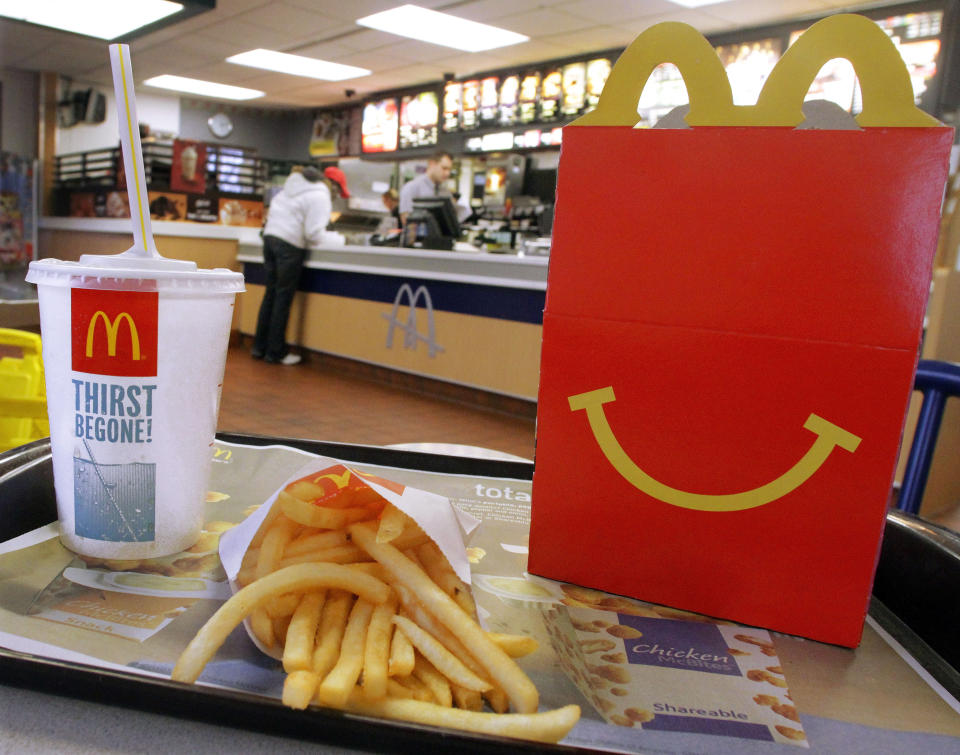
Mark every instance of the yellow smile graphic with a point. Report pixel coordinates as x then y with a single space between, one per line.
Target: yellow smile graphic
828 436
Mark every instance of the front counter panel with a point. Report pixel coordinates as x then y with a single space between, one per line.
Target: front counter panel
481 331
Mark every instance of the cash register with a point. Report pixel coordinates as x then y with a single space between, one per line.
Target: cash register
431 224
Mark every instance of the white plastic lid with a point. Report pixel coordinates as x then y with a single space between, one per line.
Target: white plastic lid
127 270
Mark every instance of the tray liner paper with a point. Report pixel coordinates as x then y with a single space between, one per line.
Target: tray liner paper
698 678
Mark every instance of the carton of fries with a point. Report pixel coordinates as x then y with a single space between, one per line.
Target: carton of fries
360 586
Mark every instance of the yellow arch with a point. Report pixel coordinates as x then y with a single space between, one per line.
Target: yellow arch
828 436
884 80
112 327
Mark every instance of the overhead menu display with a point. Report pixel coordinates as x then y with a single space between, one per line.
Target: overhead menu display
509 92
529 89
489 100
574 88
452 94
550 91
917 37
597 72
470 106
419 119
748 65
380 126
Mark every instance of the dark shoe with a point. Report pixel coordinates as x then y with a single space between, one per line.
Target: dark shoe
256 354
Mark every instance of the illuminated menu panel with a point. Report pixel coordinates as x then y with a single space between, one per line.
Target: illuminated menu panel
452 94
380 126
574 88
748 65
529 92
489 100
837 80
597 73
419 118
470 105
663 92
551 89
509 94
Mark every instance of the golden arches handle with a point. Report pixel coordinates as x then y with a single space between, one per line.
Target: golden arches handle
884 81
669 42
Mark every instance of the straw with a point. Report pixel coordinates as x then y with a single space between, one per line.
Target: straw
143 245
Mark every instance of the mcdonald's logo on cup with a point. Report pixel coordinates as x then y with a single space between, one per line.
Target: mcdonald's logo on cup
114 332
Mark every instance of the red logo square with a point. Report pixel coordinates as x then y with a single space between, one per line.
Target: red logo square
114 332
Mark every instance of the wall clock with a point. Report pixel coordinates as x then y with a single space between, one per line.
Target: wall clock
220 125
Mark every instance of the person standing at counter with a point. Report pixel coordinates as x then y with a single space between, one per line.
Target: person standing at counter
428 184
296 222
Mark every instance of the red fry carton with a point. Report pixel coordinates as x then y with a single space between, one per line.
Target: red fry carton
733 317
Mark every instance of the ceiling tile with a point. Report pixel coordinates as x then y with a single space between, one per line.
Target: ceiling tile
288 19
333 50
416 51
540 22
368 39
491 11
348 11
756 12
246 36
698 19
595 38
613 11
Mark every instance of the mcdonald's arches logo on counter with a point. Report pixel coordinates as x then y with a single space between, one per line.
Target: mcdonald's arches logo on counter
114 332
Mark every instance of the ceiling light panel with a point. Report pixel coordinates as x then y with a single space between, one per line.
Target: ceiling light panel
441 29
203 88
297 65
104 19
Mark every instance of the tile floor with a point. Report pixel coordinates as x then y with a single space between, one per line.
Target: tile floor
318 401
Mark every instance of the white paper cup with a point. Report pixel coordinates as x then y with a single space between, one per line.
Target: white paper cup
133 352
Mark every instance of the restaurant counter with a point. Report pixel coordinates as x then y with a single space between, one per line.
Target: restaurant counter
208 244
470 318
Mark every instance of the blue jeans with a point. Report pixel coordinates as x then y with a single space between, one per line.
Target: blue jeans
282 262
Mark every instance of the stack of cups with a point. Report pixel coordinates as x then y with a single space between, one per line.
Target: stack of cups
134 348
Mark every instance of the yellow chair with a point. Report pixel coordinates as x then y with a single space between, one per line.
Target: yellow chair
23 398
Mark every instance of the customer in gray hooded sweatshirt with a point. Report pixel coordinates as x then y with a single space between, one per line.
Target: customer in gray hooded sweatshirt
296 222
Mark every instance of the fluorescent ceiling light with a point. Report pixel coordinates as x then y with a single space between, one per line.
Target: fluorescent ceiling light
298 65
441 29
204 88
696 3
106 19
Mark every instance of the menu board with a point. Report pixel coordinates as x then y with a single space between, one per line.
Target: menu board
380 126
837 80
489 100
921 59
452 95
663 92
419 119
509 93
529 90
597 72
470 105
574 88
748 65
551 89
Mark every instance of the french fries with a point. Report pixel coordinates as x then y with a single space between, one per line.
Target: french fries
371 618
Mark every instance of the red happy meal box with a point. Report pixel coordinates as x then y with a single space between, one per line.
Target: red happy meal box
733 317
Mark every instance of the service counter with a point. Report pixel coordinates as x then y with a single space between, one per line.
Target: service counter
469 318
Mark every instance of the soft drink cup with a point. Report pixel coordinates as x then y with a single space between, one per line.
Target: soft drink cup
134 351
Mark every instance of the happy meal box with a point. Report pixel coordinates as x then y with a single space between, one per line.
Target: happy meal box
734 310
